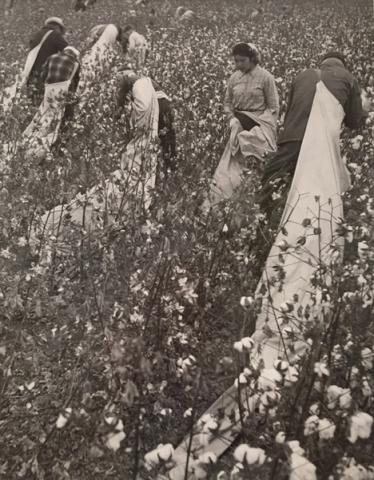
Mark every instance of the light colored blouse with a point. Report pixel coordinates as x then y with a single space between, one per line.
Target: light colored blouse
254 92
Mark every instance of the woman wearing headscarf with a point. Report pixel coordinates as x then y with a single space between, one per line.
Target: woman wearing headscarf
182 15
166 131
252 107
133 182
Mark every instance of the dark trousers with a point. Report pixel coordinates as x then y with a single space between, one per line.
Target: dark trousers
167 136
277 177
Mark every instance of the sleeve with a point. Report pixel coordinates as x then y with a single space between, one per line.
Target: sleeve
228 103
59 42
271 95
121 95
289 100
354 113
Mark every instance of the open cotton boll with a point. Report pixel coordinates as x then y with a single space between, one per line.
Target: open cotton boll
311 425
61 421
114 440
326 429
63 418
360 426
166 452
269 379
301 468
246 454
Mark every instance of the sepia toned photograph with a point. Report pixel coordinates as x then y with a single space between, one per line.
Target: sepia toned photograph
186 239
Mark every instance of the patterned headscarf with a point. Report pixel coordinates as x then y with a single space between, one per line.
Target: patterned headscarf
247 50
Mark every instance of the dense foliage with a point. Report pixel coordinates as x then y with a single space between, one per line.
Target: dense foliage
111 343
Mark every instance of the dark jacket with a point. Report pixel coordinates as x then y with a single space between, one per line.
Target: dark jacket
53 44
339 81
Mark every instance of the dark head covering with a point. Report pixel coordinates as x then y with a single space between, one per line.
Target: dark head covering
336 55
246 50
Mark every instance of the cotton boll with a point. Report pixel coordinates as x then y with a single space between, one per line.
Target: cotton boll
311 425
294 445
61 421
238 346
63 418
151 459
281 365
114 440
326 429
291 376
247 343
345 399
367 357
362 250
246 454
269 379
366 389
321 369
246 301
333 393
301 468
360 426
165 452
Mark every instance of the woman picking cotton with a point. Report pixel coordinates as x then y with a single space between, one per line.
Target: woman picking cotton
132 184
140 156
252 107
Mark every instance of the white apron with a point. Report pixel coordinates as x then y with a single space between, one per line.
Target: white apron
108 200
242 144
320 172
43 130
140 157
11 92
315 197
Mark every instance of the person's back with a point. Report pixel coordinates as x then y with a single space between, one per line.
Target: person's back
338 80
62 67
53 43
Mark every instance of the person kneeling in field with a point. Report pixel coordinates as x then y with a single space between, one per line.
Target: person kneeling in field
166 131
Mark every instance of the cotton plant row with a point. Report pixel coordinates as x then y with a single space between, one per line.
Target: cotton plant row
336 413
85 398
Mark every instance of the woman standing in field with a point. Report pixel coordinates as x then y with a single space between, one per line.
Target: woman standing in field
252 107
